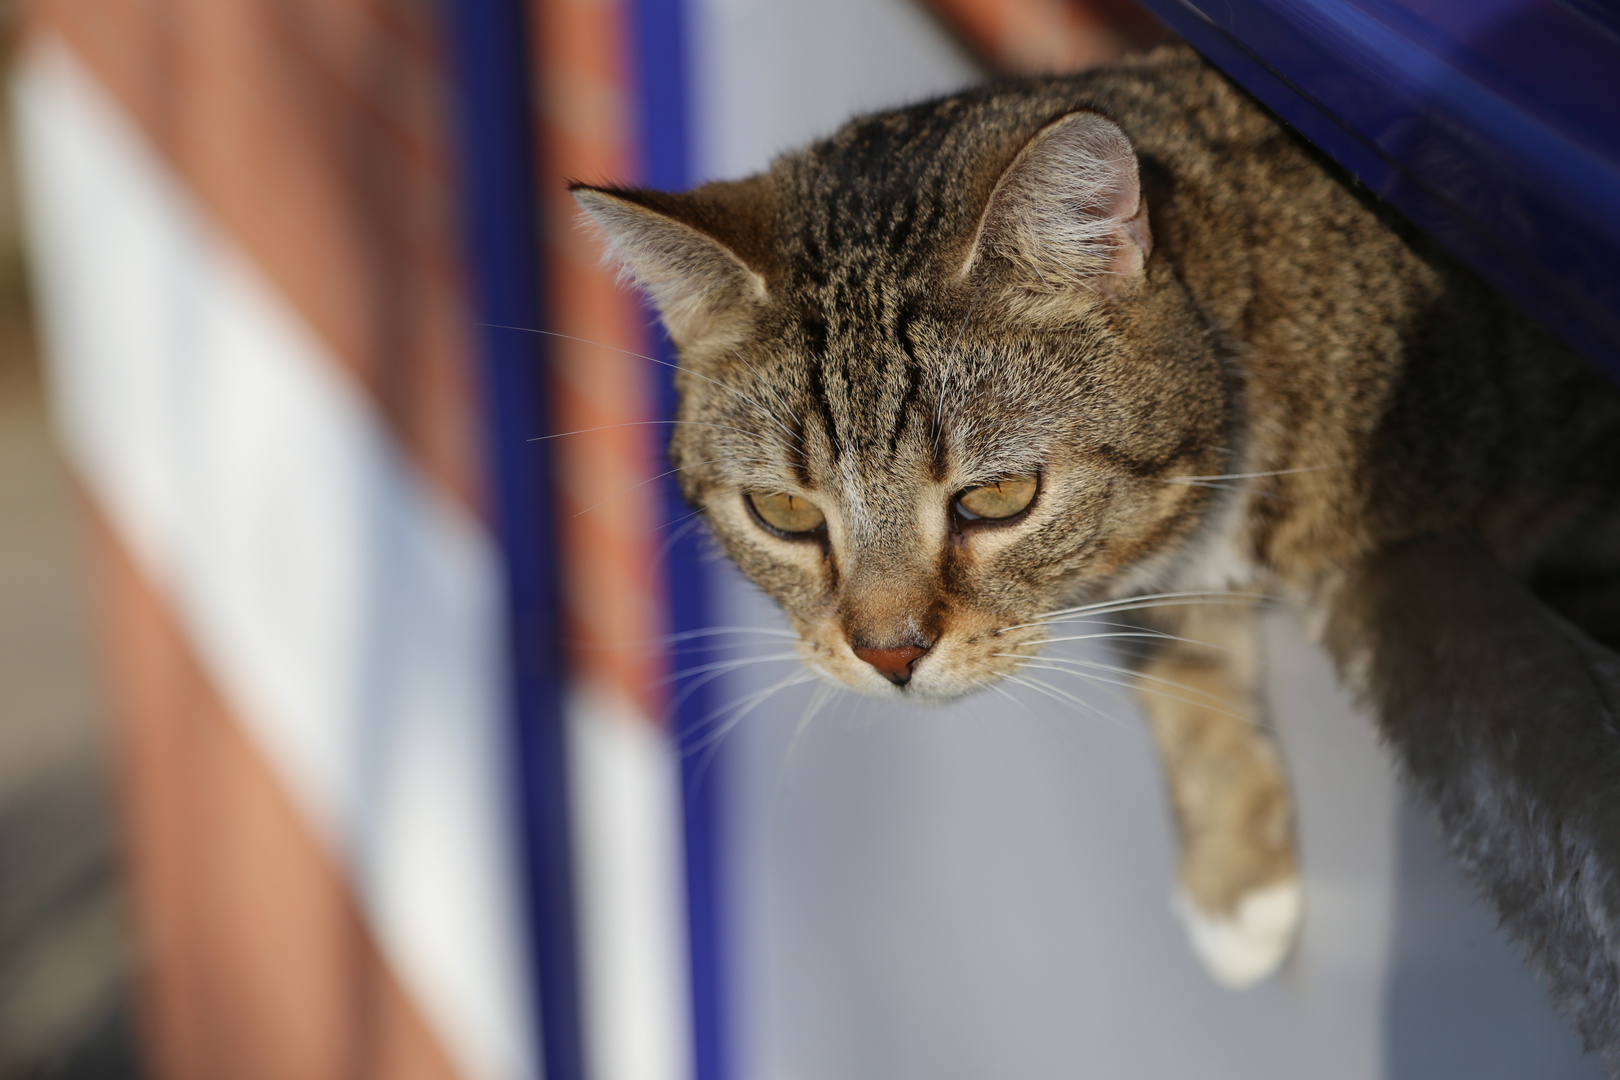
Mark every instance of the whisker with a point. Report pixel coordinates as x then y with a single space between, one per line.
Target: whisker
694 680
999 692
1129 673
1125 609
1143 603
1042 687
660 476
716 736
939 400
711 631
718 647
640 423
677 529
1213 485
768 387
707 723
692 686
723 665
670 645
650 359
1134 650
1137 634
823 694
1101 606
1248 475
1095 621
1093 678
638 484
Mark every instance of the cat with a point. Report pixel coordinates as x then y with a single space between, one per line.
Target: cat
1121 339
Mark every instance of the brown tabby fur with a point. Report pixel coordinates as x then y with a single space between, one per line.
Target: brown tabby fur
880 321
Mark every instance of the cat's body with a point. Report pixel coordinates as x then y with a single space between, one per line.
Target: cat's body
1063 341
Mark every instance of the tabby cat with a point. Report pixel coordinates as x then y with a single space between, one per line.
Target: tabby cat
964 366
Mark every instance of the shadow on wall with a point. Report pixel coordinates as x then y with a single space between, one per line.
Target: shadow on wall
1445 936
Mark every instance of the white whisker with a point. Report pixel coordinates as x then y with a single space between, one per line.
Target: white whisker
999 692
650 479
1042 687
707 723
1143 603
713 739
1129 673
677 529
939 399
694 681
1115 636
1090 677
1102 606
1247 475
711 631
823 694
723 665
639 423
652 360
768 387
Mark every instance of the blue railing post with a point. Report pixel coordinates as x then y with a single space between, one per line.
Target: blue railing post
490 63
663 93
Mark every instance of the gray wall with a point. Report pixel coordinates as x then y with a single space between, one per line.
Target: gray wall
983 891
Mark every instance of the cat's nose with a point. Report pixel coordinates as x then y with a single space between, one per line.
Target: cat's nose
895 663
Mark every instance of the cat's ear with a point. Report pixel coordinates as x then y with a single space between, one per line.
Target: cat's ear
694 253
1068 213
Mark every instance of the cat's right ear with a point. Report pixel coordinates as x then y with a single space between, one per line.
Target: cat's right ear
690 252
1068 213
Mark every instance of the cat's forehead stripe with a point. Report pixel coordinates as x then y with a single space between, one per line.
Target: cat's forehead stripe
798 454
908 403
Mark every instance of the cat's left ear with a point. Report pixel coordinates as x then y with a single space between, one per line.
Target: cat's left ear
698 254
1068 213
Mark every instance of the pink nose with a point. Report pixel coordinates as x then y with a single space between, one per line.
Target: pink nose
895 663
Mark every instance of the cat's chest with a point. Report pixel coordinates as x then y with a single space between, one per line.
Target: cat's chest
1222 556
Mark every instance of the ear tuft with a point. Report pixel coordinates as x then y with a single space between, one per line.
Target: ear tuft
703 289
1068 213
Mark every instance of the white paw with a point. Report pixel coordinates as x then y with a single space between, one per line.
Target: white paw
1242 948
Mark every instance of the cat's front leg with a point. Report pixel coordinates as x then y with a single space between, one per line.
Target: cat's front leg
1239 894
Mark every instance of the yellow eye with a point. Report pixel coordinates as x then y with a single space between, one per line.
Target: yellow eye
788 513
1002 499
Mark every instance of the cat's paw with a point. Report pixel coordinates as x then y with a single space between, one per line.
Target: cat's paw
1240 949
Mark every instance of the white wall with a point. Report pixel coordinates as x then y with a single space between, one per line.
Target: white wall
983 891
772 74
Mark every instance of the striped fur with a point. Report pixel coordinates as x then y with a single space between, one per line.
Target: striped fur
1118 281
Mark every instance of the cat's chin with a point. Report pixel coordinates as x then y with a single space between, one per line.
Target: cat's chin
924 691
927 696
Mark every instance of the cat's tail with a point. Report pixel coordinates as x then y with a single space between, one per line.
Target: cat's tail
1507 719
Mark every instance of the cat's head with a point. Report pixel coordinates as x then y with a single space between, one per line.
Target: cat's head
933 382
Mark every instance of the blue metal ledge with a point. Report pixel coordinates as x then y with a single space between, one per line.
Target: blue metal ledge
1494 125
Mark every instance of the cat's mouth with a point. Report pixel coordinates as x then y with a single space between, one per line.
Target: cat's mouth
969 656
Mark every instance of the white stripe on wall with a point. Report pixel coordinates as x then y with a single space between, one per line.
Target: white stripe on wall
627 829
347 610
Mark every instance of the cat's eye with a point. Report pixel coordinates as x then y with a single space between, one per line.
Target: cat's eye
787 514
1001 499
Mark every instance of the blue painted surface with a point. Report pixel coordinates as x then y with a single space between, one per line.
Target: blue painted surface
1493 124
489 40
660 43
